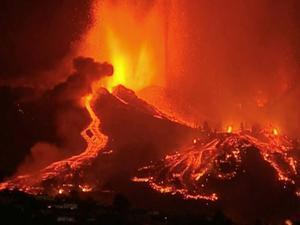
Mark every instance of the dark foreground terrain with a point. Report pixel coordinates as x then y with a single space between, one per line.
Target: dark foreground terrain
20 208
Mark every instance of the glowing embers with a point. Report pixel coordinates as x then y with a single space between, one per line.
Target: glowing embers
60 191
229 129
188 172
66 189
194 172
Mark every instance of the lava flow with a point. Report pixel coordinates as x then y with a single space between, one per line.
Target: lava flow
138 58
65 175
195 171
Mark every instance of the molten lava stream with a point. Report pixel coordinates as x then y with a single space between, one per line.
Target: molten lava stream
220 157
64 169
95 142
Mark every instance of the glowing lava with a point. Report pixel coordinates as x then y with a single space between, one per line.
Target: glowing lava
191 171
130 36
138 57
62 173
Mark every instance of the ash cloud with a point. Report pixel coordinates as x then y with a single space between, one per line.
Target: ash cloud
236 60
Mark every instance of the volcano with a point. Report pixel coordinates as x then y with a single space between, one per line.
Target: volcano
146 131
219 157
197 164
186 106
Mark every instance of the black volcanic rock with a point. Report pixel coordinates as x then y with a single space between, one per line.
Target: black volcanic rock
134 127
138 134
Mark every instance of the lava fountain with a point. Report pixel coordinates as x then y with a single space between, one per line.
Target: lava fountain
138 57
132 37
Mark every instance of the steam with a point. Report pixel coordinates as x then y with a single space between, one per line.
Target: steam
41 155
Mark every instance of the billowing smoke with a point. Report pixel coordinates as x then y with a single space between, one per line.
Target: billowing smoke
80 82
55 119
38 42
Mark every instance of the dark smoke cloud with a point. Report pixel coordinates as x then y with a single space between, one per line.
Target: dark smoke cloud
48 127
37 44
68 116
79 83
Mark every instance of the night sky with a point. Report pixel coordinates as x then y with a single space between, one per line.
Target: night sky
35 37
